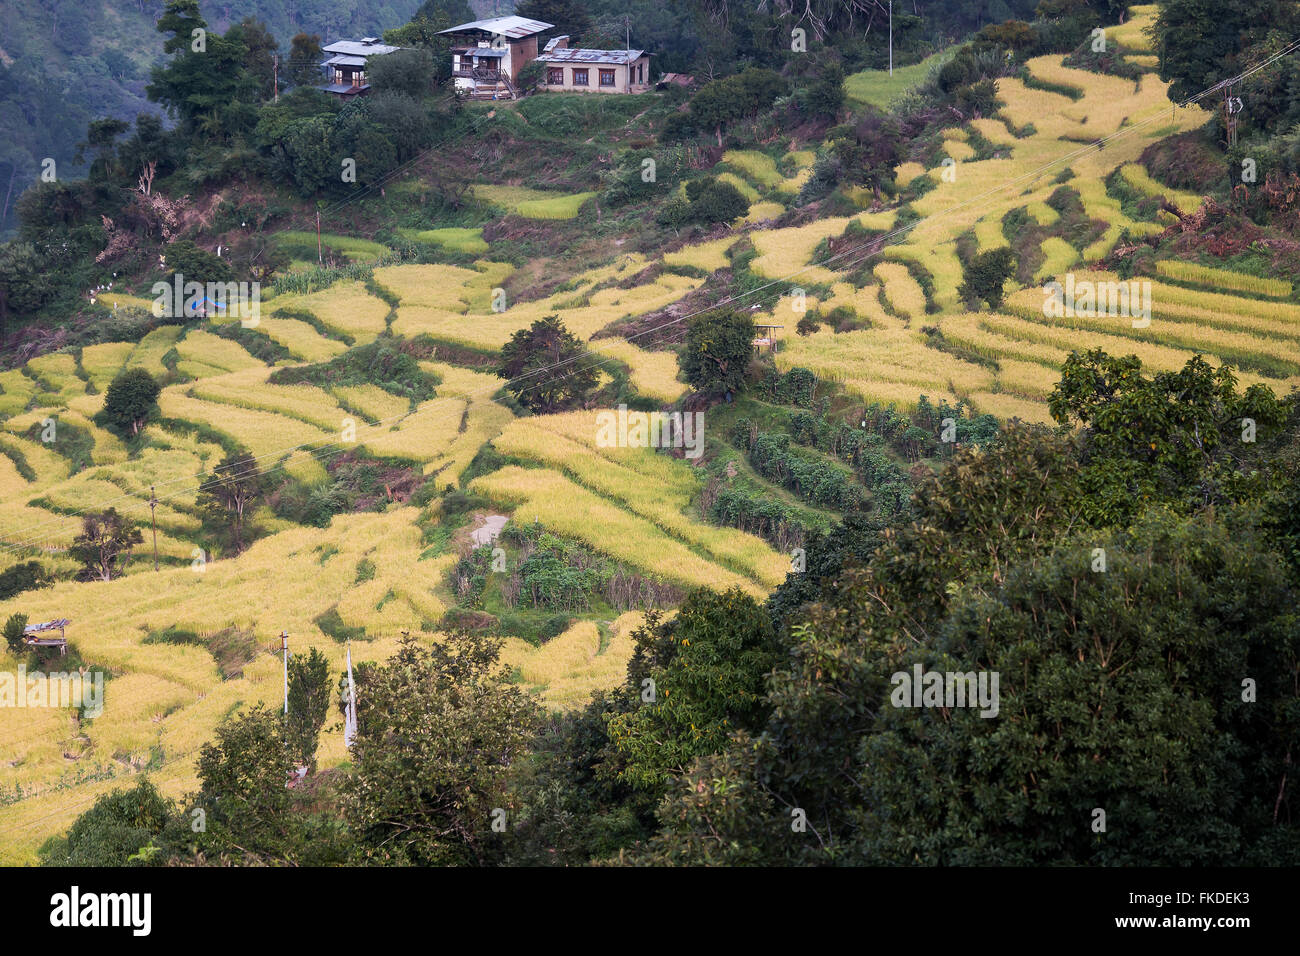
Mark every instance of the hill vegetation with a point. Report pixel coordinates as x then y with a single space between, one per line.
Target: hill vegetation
927 460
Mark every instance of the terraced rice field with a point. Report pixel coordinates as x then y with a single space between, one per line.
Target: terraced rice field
1228 316
164 699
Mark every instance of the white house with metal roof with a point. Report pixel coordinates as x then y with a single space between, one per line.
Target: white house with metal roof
345 65
487 54
594 71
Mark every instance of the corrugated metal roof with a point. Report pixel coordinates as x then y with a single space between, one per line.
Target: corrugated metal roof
513 27
343 88
578 55
484 51
342 59
359 48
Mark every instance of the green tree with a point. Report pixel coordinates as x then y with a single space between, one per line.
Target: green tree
824 95
192 264
870 154
214 93
985 275
717 351
1200 42
179 20
409 72
309 700
452 12
26 576
438 727
569 16
1156 730
303 153
14 633
1185 438
714 200
106 539
261 49
545 366
131 398
121 829
244 797
722 102
305 56
22 289
229 493
101 144
693 682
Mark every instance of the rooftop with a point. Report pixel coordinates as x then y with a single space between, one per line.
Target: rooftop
579 55
367 46
514 27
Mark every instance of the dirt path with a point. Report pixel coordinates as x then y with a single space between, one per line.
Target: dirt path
489 530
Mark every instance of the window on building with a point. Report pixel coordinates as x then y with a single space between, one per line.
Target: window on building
555 76
580 78
606 77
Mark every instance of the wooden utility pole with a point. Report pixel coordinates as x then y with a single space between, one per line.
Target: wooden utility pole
284 646
1231 107
319 256
153 503
275 74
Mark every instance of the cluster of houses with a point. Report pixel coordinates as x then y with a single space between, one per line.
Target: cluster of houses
487 54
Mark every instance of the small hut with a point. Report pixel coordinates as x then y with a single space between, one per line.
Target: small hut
766 336
42 635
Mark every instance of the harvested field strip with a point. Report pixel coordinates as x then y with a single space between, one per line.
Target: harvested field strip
1137 176
901 290
420 436
709 256
372 402
1161 357
16 392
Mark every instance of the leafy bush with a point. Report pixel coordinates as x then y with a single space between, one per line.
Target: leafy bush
382 363
817 482
985 275
22 577
716 201
13 633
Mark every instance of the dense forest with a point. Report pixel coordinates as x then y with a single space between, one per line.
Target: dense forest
64 63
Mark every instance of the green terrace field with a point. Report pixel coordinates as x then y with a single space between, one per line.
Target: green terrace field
189 644
879 88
